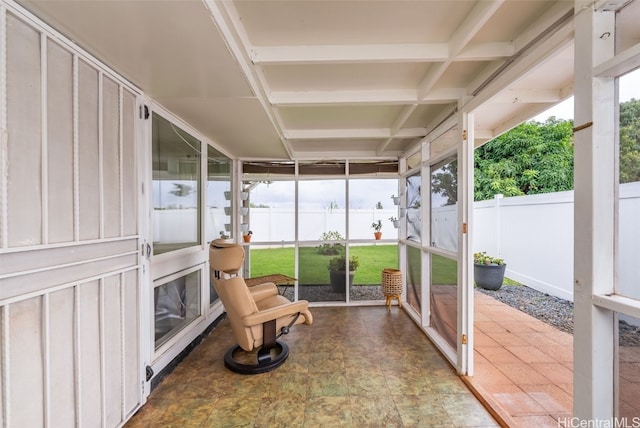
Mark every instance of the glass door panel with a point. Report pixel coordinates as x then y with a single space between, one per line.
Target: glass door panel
272 214
414 208
444 297
414 278
270 260
444 198
628 366
370 202
628 247
322 272
628 241
176 187
372 259
321 208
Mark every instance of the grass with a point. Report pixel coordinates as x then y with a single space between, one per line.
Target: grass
373 258
444 271
313 266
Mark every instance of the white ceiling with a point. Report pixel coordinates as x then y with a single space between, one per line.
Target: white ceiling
321 79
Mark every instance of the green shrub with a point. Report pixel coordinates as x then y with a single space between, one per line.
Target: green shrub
338 264
331 249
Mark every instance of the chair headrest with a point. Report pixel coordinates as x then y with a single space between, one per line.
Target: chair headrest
225 256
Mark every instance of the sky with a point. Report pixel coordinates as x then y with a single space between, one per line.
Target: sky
629 88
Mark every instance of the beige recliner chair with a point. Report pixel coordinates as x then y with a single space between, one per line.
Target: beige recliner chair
258 315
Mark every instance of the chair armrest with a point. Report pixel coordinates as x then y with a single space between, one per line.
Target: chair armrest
262 291
274 313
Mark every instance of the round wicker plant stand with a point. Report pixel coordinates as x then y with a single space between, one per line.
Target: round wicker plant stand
392 286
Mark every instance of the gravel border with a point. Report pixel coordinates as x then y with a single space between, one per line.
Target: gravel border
552 310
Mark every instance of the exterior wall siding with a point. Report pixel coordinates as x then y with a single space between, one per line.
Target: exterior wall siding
70 283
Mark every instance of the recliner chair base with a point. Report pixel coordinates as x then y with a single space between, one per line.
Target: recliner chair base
265 360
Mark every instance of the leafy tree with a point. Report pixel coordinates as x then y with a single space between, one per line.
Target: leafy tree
181 190
444 181
531 158
630 141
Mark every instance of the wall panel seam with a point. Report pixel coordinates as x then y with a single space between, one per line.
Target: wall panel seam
101 152
103 375
76 148
77 355
26 248
123 374
65 265
120 154
44 140
4 211
6 374
59 287
46 363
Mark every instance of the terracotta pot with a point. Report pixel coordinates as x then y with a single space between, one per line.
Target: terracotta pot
247 238
378 235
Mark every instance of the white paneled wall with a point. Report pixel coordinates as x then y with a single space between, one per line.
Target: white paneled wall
70 293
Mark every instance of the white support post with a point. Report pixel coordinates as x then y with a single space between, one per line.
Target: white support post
593 214
465 244
426 238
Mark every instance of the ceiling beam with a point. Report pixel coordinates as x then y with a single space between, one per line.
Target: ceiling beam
344 134
474 21
377 53
345 54
522 96
382 96
485 51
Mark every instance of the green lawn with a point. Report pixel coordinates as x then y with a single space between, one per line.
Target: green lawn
313 266
444 270
373 258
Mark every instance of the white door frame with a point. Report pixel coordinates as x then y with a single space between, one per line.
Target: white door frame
596 197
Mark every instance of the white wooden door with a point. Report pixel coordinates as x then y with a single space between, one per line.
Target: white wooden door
69 240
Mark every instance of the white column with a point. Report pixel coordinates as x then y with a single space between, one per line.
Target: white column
465 244
593 214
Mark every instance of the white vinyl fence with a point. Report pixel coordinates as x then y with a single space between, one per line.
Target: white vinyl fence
534 234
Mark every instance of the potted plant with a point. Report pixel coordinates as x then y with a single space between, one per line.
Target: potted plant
395 221
338 272
488 271
247 236
396 199
376 227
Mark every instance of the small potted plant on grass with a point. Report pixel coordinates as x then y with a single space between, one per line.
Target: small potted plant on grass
488 271
376 227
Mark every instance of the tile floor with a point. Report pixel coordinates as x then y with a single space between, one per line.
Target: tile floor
523 366
364 366
355 366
